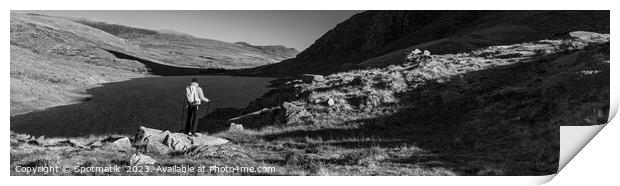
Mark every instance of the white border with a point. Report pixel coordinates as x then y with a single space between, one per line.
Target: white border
596 163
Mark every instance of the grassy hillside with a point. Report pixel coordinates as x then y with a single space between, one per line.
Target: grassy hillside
54 60
367 37
277 50
189 51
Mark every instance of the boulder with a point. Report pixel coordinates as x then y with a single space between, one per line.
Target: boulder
330 102
178 141
207 140
20 137
293 113
235 127
141 159
590 36
40 141
417 56
117 143
146 135
309 78
416 51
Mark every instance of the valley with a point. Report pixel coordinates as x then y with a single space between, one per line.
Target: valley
425 93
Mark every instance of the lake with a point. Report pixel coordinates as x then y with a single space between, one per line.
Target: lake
121 107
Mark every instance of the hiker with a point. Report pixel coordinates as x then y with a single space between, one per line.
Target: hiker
194 98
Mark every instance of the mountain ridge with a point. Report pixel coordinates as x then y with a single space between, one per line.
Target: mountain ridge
372 34
188 50
279 50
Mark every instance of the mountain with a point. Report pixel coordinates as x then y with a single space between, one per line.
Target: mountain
54 60
276 50
182 49
378 38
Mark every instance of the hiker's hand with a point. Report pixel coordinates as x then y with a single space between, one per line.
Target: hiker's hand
208 100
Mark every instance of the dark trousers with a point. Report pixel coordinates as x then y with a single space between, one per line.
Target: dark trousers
191 124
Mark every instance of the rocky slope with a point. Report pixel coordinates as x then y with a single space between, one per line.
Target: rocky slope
186 50
507 99
373 34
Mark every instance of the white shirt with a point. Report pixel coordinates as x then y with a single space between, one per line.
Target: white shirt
194 94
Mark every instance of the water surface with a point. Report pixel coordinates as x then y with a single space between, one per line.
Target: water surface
120 107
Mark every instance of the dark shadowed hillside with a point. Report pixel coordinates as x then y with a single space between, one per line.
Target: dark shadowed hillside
372 34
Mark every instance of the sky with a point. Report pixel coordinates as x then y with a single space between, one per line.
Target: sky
292 28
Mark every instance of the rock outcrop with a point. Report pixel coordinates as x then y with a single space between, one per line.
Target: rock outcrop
309 78
235 127
158 141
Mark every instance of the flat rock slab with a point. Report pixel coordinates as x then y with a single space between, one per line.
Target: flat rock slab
207 140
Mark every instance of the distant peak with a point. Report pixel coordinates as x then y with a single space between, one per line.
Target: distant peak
243 43
173 32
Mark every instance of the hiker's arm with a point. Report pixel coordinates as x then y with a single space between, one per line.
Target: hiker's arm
202 95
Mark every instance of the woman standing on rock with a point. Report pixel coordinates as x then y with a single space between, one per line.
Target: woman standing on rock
194 97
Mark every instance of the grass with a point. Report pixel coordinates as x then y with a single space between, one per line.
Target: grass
310 157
